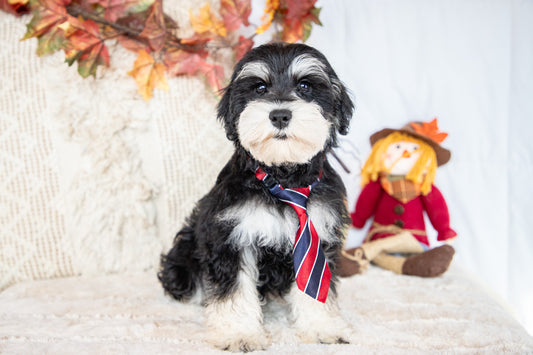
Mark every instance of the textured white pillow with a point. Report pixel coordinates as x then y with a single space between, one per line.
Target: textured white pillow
93 179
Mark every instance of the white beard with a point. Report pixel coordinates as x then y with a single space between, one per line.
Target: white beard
303 138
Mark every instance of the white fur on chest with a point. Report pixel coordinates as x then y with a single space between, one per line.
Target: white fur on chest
257 224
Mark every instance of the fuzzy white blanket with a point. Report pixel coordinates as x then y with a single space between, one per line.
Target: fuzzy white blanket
128 314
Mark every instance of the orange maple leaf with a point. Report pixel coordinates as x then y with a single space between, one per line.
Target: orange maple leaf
430 130
270 10
148 75
207 22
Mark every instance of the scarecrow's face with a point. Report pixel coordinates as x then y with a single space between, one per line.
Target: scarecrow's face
400 157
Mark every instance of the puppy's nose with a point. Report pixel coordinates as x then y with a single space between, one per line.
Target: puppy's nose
280 118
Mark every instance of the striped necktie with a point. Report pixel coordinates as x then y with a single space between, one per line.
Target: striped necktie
311 269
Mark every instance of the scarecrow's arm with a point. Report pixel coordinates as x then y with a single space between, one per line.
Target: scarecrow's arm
366 204
438 214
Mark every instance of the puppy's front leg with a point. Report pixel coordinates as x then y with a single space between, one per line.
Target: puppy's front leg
235 321
317 322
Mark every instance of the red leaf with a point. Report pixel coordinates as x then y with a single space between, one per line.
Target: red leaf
244 45
297 22
235 12
185 47
214 75
131 44
154 29
135 23
298 9
292 31
197 42
86 46
180 62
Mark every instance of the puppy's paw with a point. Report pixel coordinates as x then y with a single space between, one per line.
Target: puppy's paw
240 342
323 338
330 331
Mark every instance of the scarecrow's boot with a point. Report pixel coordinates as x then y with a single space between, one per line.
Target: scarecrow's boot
431 263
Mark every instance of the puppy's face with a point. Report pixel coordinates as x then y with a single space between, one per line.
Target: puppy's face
284 104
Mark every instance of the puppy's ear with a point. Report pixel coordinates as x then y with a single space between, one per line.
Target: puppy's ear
344 106
224 114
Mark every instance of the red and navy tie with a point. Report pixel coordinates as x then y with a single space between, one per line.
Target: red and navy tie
311 269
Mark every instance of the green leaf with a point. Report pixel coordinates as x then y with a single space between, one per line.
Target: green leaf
51 42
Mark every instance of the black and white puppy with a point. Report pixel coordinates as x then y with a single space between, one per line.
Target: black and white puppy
282 109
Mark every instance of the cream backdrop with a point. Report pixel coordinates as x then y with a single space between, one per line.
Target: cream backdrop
469 63
93 180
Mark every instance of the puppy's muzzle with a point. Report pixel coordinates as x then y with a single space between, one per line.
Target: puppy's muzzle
280 118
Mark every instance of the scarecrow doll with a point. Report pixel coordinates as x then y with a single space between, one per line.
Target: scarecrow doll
398 188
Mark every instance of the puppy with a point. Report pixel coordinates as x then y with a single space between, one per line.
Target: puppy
283 110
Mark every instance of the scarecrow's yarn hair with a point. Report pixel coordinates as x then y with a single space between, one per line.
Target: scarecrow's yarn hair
423 172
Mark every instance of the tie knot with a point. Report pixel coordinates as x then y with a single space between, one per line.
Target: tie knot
296 199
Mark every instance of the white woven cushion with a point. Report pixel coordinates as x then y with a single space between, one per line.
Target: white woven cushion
128 314
92 178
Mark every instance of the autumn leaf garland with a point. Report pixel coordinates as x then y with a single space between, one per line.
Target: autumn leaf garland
294 16
81 29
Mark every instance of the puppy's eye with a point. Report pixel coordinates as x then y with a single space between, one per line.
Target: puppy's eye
260 88
304 86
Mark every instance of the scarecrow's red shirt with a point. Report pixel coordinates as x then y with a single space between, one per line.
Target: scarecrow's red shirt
374 201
